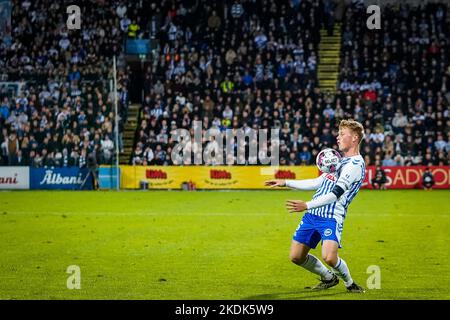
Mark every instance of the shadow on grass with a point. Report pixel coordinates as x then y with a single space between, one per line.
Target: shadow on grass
296 295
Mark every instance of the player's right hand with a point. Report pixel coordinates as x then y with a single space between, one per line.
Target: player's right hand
275 183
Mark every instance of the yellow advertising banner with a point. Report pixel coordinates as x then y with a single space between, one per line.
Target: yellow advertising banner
208 177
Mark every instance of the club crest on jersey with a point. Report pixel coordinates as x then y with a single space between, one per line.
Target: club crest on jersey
331 177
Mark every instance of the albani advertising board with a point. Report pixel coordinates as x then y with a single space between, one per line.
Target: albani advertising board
60 178
14 178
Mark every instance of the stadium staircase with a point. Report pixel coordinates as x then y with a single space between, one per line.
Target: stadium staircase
329 59
129 133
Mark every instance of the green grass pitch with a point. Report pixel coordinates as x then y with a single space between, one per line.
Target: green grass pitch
213 245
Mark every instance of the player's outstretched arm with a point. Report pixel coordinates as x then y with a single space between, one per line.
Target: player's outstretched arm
307 184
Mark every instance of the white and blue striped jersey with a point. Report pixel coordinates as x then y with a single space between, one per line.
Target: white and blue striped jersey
349 177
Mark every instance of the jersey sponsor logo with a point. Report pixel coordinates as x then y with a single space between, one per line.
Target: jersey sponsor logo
328 232
330 177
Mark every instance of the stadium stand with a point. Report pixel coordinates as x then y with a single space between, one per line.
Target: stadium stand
230 64
65 111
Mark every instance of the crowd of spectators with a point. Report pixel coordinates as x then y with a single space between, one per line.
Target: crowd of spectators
396 81
65 111
252 64
230 64
241 63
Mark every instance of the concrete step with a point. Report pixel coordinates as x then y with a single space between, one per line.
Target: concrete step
324 44
329 54
330 90
328 73
335 37
335 27
326 84
335 31
331 40
328 64
335 50
330 46
327 88
325 70
330 61
330 82
327 78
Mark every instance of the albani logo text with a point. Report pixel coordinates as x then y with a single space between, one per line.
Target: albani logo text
9 180
56 178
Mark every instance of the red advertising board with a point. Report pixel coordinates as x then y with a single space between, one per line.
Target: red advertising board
409 177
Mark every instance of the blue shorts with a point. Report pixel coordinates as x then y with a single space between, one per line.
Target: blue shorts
314 228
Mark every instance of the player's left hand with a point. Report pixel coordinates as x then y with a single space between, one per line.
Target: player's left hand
296 205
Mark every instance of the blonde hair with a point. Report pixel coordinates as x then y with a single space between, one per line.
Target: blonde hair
356 127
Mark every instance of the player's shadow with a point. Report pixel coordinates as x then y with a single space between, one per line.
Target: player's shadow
294 295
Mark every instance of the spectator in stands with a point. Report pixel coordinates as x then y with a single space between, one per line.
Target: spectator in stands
427 179
133 29
305 156
388 161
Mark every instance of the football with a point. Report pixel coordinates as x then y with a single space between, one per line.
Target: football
328 160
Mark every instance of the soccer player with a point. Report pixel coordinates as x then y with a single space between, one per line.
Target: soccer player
325 213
